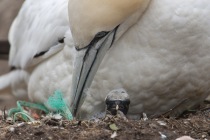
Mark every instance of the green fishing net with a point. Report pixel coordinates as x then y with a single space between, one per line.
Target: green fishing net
56 102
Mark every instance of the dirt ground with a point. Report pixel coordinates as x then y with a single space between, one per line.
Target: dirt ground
195 124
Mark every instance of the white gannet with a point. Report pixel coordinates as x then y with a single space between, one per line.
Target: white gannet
159 53
39 32
157 50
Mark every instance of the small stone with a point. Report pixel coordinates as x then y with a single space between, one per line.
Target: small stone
114 135
57 116
186 122
185 138
145 118
55 127
203 136
21 124
163 137
162 123
50 138
11 129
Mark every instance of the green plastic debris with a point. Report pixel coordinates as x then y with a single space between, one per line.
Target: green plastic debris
19 110
55 102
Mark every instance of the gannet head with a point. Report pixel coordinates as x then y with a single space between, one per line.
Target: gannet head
95 26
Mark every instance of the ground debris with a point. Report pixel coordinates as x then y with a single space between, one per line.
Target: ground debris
195 125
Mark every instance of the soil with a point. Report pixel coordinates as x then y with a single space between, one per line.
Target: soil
195 124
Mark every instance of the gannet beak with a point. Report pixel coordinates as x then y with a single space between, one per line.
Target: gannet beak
86 64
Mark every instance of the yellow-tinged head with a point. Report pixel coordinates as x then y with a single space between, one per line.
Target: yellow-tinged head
88 17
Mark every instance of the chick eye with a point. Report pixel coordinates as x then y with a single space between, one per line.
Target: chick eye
121 107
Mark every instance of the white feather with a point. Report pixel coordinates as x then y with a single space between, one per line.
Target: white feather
18 81
162 61
37 28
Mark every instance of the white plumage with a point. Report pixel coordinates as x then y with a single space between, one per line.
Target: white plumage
37 28
162 61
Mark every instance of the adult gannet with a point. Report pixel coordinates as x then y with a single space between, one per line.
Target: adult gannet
40 39
39 32
165 67
158 51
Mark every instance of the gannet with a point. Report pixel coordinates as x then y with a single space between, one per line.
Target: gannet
117 100
157 50
39 32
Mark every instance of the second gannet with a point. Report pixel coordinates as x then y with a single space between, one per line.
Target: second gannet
39 32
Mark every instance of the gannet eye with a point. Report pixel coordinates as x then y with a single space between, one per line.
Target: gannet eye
97 37
101 34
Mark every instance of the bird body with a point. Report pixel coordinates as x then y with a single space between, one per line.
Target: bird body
37 33
160 57
53 74
162 61
37 30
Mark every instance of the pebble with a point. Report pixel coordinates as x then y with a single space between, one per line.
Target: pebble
163 137
50 138
114 135
162 123
203 136
11 129
145 118
57 116
185 138
21 124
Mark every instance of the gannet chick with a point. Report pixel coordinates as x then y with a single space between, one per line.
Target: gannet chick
117 100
